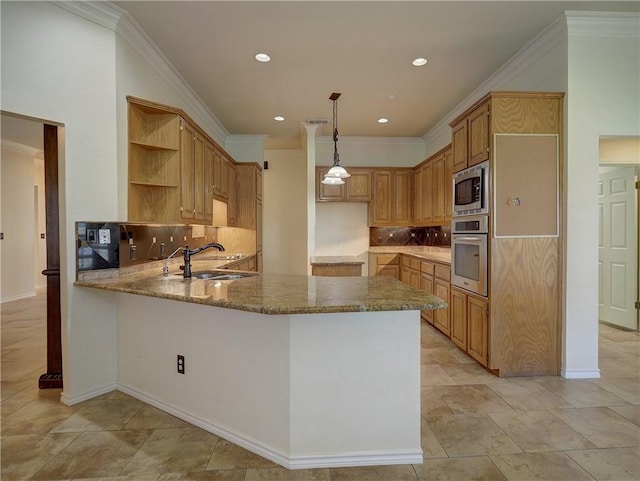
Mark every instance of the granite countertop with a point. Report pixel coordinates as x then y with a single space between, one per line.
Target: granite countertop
277 294
437 254
335 260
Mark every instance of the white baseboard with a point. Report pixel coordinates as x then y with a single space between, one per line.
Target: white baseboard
71 400
18 297
588 374
289 462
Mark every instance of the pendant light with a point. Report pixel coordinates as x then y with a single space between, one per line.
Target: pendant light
336 174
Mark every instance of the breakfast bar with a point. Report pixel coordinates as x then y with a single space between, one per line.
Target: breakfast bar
306 371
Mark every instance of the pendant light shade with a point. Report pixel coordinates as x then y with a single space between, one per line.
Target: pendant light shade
337 173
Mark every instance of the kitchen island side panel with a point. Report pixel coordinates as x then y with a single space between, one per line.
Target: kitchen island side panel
355 389
236 381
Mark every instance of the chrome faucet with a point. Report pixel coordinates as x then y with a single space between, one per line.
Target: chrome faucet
190 252
165 269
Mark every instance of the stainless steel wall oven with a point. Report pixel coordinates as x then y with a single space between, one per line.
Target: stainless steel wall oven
469 253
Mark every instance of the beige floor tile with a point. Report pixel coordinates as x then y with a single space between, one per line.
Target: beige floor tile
601 426
20 370
100 415
581 393
432 406
404 472
173 450
537 431
527 394
434 375
613 464
476 398
143 477
149 417
36 417
631 413
25 455
470 373
624 366
553 466
471 435
478 468
625 388
282 474
438 355
8 389
229 456
223 475
92 455
431 447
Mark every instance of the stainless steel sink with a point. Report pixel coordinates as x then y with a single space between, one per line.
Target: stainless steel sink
221 275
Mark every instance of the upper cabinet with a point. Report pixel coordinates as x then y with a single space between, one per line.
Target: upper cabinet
391 197
432 197
176 170
356 188
470 137
154 163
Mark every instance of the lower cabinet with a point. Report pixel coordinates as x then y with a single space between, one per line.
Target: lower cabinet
470 324
441 317
384 265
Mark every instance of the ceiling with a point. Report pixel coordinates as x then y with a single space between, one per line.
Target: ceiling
361 49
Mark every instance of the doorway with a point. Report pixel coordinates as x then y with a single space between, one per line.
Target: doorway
618 246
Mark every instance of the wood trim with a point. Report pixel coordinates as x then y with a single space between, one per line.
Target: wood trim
52 379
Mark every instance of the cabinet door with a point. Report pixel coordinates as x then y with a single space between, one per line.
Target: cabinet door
479 135
258 183
459 145
418 190
232 202
459 318
448 184
426 284
327 192
258 225
437 182
427 192
380 207
208 181
414 278
402 193
187 172
358 186
199 179
389 270
478 331
405 274
441 316
220 174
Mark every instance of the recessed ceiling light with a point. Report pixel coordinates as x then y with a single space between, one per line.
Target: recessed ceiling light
383 120
419 62
391 97
263 57
279 118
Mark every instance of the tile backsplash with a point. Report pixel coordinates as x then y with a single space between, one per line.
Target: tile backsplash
410 236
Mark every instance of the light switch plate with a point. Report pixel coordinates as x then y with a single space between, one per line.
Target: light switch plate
104 236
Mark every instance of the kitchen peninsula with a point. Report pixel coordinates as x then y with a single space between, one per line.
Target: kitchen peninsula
306 371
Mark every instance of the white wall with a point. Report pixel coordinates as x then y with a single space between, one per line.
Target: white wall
17 205
372 152
74 84
40 224
285 213
604 100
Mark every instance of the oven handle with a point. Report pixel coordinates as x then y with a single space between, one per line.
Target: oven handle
476 239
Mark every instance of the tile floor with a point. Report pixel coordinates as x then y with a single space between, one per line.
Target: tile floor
474 426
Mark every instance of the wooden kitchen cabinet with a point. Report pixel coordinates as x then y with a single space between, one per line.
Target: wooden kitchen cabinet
249 199
437 188
427 284
418 195
478 329
391 197
356 188
154 163
232 202
384 265
220 175
470 137
433 195
191 173
442 289
459 322
448 183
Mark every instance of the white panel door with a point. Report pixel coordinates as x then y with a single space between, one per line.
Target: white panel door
618 242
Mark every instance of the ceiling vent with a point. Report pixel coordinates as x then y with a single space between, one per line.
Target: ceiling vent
317 121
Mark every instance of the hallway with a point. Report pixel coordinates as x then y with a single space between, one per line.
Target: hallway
474 425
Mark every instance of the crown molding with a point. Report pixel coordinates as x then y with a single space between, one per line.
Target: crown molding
603 24
20 148
326 139
550 37
122 23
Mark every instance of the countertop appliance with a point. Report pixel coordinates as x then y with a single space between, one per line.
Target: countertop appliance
471 190
469 253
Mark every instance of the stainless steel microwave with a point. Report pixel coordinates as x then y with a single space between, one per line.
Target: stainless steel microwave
471 190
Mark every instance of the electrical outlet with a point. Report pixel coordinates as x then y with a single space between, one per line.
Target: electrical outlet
180 364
